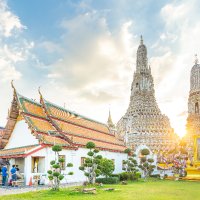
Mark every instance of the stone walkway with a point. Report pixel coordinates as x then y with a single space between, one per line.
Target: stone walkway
18 190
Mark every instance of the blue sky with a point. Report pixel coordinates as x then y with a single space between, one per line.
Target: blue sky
82 53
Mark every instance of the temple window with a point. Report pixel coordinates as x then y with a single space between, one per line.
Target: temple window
82 161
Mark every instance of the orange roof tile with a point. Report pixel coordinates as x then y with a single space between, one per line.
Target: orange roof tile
75 118
41 125
83 141
32 107
77 130
47 139
16 151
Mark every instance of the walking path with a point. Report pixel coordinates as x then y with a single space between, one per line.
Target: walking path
18 190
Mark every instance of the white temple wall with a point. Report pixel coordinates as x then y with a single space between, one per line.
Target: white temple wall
21 136
71 156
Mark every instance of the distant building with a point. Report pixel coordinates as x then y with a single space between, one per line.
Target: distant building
34 127
143 123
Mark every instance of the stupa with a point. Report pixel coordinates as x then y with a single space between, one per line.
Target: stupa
143 122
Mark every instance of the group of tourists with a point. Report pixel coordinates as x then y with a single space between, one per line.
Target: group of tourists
9 177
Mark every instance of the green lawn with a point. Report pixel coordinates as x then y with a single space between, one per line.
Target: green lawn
155 190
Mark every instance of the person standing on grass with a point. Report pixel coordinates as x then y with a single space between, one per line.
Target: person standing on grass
13 173
4 174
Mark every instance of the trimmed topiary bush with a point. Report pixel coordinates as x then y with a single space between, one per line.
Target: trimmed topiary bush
55 174
145 152
91 166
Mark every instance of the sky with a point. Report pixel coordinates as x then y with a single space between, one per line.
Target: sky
83 53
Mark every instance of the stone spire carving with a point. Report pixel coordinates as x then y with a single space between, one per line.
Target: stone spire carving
196 61
143 122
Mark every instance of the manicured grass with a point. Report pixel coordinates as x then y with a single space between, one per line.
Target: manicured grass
154 190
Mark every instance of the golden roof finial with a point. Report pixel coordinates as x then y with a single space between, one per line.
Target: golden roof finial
196 61
40 92
12 85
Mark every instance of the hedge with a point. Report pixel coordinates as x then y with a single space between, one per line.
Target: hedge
109 180
124 176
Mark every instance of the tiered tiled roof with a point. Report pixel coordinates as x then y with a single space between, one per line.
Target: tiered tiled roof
69 116
52 124
82 129
17 151
31 107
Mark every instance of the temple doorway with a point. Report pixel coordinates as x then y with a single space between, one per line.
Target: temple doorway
38 165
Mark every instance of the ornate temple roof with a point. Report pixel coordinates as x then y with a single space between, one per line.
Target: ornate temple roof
52 124
20 151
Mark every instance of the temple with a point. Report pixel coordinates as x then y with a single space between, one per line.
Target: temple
34 127
143 122
193 119
192 137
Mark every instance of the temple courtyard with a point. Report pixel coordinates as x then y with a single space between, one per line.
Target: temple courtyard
150 190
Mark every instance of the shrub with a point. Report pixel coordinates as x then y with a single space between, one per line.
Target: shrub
145 152
57 148
107 167
137 175
115 175
109 180
69 165
49 172
90 145
124 176
155 175
128 150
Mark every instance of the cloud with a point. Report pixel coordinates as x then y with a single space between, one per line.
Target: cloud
15 52
91 64
9 23
14 49
175 49
96 61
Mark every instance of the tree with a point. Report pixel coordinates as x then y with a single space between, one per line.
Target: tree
107 167
92 167
176 157
55 174
146 163
130 165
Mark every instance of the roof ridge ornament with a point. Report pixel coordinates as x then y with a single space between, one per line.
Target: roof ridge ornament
196 61
12 85
41 97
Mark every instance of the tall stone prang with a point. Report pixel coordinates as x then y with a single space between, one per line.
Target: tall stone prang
193 119
143 123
